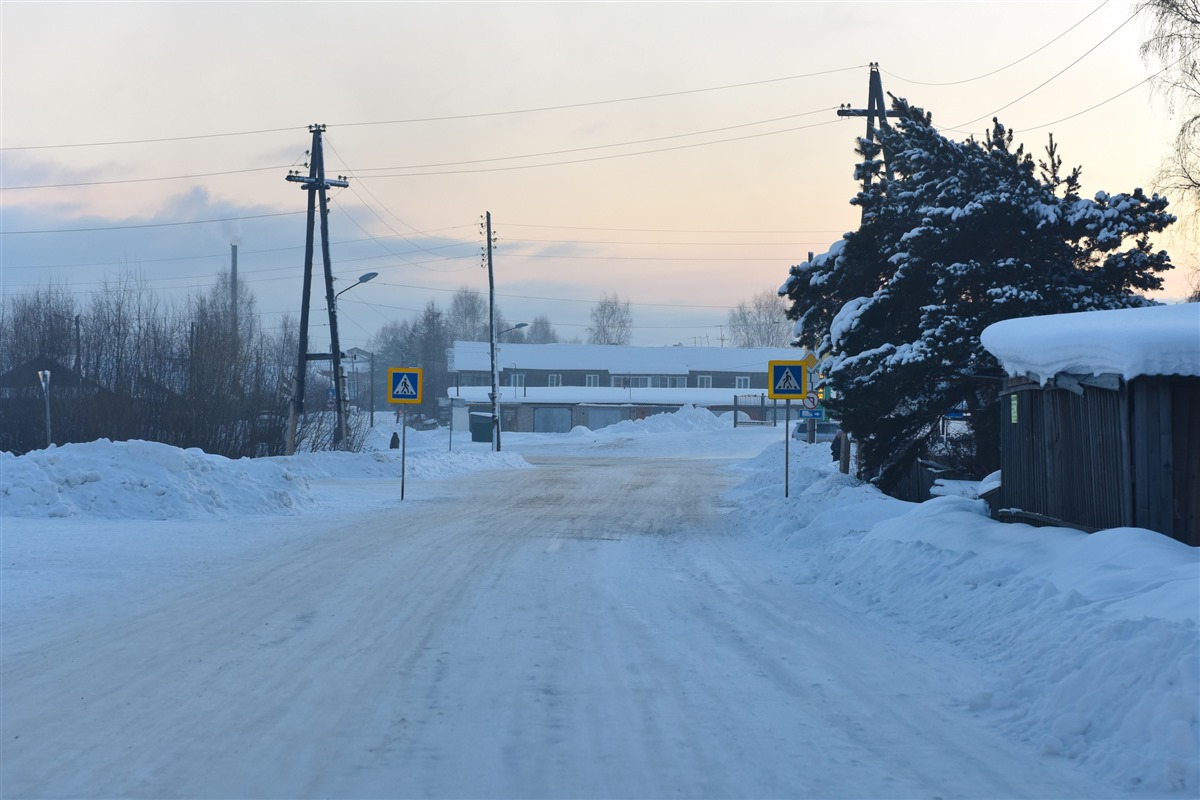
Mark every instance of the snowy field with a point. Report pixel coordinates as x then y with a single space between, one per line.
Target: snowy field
1088 645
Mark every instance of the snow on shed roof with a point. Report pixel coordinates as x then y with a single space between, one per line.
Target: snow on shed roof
1157 340
618 359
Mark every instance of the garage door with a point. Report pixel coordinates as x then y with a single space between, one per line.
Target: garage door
552 420
603 417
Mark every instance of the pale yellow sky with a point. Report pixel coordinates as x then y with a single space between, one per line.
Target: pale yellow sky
683 232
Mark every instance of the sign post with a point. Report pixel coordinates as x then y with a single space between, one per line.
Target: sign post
787 380
405 386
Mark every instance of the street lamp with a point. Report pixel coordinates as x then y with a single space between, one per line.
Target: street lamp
339 393
366 276
495 396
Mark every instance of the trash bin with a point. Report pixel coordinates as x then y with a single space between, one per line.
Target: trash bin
481 427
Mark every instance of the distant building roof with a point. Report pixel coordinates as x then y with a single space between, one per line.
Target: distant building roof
617 359
1157 340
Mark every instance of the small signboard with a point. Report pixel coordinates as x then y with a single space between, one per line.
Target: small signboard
812 413
405 385
788 380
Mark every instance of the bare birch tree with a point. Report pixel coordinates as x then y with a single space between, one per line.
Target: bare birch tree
612 321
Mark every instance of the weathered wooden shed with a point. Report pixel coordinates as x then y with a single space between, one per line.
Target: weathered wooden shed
1100 420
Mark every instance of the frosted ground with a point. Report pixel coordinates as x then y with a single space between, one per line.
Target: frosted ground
1086 648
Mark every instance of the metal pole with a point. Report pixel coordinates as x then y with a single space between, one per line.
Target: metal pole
233 298
372 384
44 378
492 327
787 424
403 450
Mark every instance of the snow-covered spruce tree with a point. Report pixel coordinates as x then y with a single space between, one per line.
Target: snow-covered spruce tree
960 235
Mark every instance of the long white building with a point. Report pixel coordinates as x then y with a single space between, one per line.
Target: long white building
555 387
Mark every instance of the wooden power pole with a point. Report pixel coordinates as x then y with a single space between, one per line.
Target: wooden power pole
316 184
876 113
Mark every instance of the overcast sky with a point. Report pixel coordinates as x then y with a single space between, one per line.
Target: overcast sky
681 155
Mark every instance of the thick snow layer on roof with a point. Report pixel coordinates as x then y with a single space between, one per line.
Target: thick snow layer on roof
1159 340
475 356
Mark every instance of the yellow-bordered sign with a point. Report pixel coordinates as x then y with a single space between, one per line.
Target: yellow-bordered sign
788 380
405 385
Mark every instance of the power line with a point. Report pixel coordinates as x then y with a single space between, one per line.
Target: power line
142 180
150 141
545 299
961 125
1109 100
479 115
225 254
661 230
1007 66
608 102
366 205
598 146
671 244
602 158
151 224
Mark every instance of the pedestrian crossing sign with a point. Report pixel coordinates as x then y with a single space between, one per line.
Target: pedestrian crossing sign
789 379
404 385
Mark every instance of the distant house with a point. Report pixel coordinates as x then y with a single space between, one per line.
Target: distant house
556 387
1101 419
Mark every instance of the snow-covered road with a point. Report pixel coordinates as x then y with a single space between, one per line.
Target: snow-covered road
595 627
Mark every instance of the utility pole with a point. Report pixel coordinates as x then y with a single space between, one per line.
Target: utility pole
316 184
233 298
876 113
495 395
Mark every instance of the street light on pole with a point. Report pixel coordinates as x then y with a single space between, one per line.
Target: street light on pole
496 384
339 393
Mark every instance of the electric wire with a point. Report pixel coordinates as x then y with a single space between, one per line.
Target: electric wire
1116 96
1001 69
366 205
959 127
599 146
602 158
141 180
150 224
478 115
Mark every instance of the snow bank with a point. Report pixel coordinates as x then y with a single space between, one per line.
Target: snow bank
144 480
687 418
148 480
1092 639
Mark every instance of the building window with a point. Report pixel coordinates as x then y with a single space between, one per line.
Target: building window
704 381
554 379
742 382
516 379
631 381
669 382
592 380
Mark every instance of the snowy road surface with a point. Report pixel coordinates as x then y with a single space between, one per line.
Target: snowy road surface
584 629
